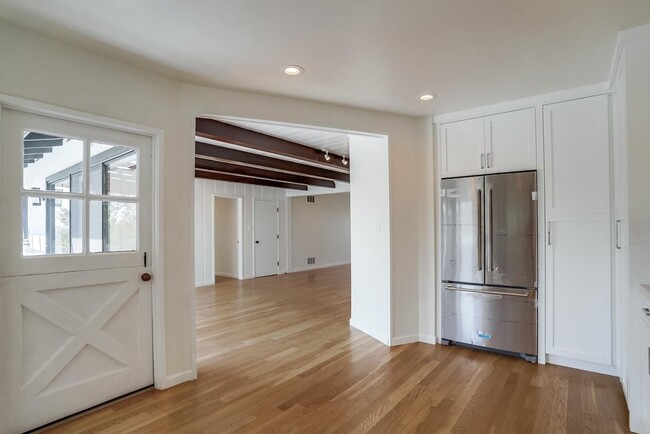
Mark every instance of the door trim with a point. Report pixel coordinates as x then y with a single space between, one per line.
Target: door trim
161 379
240 233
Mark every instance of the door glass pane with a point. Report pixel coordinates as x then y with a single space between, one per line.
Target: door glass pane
113 226
49 161
113 170
51 226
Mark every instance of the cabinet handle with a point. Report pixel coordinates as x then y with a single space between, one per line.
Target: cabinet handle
548 234
482 161
618 234
646 311
489 159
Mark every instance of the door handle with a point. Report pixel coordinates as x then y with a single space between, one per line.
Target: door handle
618 234
145 277
479 244
490 230
548 234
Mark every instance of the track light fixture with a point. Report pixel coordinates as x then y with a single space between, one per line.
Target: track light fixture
344 161
327 155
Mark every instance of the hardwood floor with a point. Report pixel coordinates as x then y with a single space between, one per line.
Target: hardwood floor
277 355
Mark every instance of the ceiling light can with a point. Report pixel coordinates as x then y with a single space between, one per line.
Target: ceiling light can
293 70
427 96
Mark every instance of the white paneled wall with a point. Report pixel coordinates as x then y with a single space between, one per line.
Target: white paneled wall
204 192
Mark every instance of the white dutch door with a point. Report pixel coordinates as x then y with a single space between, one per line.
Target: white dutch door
266 235
75 312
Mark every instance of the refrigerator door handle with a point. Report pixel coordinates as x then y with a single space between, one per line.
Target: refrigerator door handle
487 292
490 235
479 244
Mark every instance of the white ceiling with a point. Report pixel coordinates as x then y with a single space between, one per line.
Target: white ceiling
337 143
378 54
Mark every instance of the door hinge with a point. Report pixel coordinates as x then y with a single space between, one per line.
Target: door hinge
278 236
277 209
278 263
145 259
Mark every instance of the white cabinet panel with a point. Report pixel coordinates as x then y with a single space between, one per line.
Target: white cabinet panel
462 146
578 289
576 149
510 143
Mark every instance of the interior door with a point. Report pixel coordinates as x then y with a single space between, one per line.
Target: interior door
267 237
511 229
462 205
75 310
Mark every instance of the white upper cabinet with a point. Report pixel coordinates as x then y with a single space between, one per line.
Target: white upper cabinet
576 149
500 143
510 141
462 146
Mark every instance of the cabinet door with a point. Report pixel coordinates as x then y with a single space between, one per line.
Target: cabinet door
576 154
645 372
510 142
462 148
579 242
578 290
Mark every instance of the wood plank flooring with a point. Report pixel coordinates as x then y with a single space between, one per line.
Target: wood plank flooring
276 355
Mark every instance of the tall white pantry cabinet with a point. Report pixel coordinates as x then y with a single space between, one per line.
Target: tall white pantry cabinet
577 200
579 296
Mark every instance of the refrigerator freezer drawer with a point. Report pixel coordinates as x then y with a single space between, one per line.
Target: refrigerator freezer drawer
492 319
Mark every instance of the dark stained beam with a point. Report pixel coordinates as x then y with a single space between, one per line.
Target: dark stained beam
223 132
244 180
30 151
237 169
228 154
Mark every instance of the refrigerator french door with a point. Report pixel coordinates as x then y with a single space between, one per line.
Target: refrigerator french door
489 261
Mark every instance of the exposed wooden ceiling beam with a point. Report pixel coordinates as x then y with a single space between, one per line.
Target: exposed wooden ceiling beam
227 154
244 180
223 132
237 169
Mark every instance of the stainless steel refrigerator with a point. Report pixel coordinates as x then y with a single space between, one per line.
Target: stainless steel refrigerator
489 262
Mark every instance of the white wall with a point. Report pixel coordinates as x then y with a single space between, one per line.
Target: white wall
370 238
78 79
320 229
226 237
204 192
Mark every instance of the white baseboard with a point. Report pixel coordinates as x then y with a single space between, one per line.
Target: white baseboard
234 276
428 339
200 284
316 267
580 364
409 339
175 379
401 340
370 333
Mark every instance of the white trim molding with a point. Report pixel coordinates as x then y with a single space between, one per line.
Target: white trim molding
317 267
624 38
372 334
175 379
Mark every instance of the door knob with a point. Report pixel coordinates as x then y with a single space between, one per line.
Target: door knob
145 277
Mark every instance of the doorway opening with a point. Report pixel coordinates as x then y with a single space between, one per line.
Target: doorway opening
315 240
227 246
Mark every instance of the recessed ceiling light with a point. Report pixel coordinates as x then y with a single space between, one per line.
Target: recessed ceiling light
427 96
293 70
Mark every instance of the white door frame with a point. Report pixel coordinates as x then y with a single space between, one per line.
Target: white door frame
240 233
277 226
157 139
